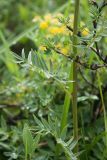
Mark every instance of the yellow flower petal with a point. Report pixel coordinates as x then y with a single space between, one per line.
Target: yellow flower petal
42 48
54 30
57 30
43 25
64 50
85 32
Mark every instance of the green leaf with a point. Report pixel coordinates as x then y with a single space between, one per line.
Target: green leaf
36 141
3 124
30 58
38 122
28 140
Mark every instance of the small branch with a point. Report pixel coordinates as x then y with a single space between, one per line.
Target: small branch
71 29
103 6
5 105
95 23
77 60
42 144
96 51
94 3
92 85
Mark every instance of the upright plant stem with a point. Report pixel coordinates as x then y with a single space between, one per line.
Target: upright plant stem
103 106
74 95
72 76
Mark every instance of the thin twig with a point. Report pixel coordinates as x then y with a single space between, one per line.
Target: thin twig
6 105
77 60
95 23
104 59
92 85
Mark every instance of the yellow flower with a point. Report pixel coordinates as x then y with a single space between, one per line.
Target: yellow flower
65 50
43 25
42 48
85 32
54 30
62 29
57 30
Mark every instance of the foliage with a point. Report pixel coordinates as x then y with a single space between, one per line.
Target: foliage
36 54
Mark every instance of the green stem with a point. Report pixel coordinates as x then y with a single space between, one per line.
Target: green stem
74 95
26 151
67 101
83 135
25 156
74 102
73 86
103 106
